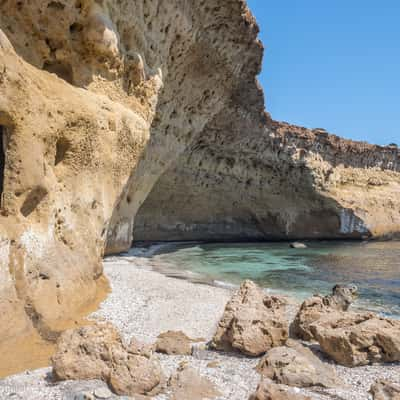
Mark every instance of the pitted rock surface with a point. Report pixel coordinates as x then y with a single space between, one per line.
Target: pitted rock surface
98 352
296 365
318 306
353 339
253 322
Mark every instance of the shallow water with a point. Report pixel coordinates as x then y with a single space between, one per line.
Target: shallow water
374 267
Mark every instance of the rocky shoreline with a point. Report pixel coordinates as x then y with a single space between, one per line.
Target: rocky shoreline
143 304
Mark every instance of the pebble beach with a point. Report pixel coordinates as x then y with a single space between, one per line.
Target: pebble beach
144 303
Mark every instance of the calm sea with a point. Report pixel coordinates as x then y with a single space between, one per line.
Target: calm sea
374 267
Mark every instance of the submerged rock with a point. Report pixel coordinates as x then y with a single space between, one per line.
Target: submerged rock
384 390
268 390
317 306
298 245
296 365
98 352
252 323
353 339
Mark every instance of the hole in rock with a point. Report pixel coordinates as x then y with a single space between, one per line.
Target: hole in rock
33 200
63 71
62 147
75 28
2 157
56 5
44 276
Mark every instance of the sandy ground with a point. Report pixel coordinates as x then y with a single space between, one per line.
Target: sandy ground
144 303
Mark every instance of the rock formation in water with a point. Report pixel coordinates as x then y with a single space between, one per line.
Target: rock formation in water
112 109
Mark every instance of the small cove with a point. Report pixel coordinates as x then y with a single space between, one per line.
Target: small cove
374 267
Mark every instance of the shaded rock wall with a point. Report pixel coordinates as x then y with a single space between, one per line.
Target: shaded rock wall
248 177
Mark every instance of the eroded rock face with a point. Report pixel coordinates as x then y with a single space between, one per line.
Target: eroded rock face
268 390
353 339
267 180
97 99
252 322
383 390
296 365
97 352
318 306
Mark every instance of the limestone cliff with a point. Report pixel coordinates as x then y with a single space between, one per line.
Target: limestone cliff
112 107
248 177
97 98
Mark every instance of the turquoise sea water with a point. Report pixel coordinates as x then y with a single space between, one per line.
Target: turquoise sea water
374 267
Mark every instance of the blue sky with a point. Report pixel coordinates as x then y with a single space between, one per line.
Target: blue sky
333 64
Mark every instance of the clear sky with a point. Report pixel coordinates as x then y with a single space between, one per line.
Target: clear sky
333 64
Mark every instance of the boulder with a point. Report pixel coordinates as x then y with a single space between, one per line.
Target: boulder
174 343
353 339
268 390
316 306
136 375
86 353
186 384
296 365
384 390
252 323
98 352
298 245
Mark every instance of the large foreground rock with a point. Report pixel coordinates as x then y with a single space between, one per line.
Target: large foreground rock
317 306
296 365
383 390
268 390
353 339
97 352
252 323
